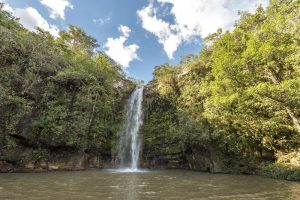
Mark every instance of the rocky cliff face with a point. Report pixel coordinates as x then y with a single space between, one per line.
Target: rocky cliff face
201 160
172 142
163 148
24 160
27 154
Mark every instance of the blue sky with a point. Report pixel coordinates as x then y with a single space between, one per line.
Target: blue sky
139 34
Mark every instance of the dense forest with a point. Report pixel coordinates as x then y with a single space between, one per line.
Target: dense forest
56 94
233 108
237 101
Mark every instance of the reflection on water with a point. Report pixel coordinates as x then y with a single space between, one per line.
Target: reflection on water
173 184
132 187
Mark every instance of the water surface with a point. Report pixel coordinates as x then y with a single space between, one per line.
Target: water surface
172 184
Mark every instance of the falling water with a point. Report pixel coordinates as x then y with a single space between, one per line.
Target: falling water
129 146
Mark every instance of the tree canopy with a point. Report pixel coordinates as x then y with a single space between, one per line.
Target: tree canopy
57 93
240 94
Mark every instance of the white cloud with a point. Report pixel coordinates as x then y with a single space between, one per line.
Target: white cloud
7 7
30 18
102 21
57 7
125 30
160 28
119 51
192 18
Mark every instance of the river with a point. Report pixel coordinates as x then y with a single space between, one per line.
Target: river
168 184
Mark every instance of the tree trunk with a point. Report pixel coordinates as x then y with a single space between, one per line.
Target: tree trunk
92 117
293 117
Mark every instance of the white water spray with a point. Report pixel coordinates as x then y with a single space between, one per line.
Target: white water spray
130 143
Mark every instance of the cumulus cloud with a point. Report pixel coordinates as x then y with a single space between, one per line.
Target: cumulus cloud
160 28
192 19
117 49
102 21
7 7
57 7
30 18
125 30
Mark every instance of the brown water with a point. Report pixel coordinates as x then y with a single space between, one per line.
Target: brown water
156 185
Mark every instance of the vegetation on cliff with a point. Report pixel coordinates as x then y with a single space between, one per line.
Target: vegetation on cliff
240 95
57 93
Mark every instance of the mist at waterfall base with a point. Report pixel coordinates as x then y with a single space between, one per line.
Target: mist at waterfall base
130 142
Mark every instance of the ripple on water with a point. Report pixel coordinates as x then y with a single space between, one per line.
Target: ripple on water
175 185
126 170
116 186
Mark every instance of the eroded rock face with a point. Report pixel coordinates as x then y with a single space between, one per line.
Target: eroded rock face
100 162
199 160
6 167
164 150
148 90
24 160
28 154
206 160
175 161
76 161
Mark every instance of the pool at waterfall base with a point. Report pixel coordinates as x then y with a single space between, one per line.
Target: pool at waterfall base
165 184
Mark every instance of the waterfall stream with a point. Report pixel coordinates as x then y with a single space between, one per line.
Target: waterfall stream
130 143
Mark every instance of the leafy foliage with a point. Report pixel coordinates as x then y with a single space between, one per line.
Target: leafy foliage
57 93
241 93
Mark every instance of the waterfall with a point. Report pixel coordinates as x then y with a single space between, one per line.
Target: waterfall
130 143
